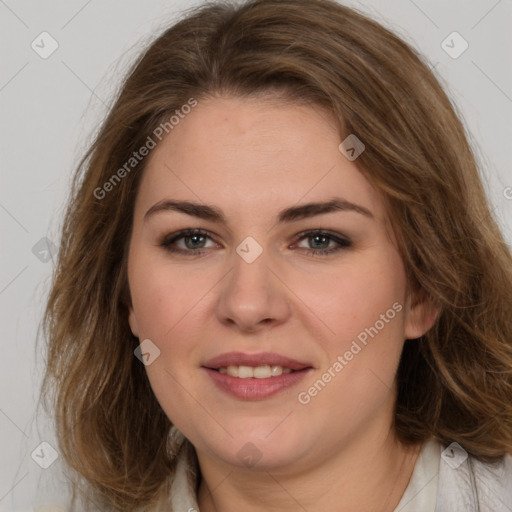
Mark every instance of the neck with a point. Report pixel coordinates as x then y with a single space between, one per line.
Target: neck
366 476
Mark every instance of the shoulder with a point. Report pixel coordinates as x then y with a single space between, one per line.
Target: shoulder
467 484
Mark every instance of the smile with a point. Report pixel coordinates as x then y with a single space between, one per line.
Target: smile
255 383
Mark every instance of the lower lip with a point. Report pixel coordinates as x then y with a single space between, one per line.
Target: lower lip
255 389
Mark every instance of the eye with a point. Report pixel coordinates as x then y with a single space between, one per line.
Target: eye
188 241
323 242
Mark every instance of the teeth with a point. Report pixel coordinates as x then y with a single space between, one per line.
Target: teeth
258 372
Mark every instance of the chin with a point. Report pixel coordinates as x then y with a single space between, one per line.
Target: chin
257 449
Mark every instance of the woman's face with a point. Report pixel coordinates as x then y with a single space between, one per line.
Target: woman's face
258 178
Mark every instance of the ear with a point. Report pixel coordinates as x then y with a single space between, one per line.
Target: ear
132 320
420 314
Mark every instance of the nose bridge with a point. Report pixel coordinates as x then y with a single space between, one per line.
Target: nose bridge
251 294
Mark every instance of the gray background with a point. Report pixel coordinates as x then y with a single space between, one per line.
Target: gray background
51 107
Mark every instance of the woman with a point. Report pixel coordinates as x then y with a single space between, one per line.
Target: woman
279 285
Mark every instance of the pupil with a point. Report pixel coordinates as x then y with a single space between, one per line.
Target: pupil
325 239
194 238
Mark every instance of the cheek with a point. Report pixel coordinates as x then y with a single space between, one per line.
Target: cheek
352 298
173 307
363 306
167 305
162 295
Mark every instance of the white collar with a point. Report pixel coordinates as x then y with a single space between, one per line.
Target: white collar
421 492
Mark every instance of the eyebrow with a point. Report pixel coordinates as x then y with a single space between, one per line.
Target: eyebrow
291 214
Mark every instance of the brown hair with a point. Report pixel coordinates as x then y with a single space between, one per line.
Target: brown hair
454 383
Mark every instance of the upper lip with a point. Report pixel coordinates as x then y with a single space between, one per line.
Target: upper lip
259 359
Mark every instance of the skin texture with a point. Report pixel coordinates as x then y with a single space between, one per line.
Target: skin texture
251 158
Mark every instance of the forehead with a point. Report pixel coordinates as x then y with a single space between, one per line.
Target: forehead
253 154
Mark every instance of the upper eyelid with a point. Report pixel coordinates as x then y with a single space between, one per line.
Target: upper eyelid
320 231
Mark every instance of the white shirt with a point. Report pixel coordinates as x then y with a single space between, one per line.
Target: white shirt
421 493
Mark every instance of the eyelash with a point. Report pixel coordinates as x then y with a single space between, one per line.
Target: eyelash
344 243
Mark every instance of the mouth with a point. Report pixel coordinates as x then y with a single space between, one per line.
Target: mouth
255 383
255 376
260 365
265 371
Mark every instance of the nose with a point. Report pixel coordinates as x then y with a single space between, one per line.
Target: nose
253 296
